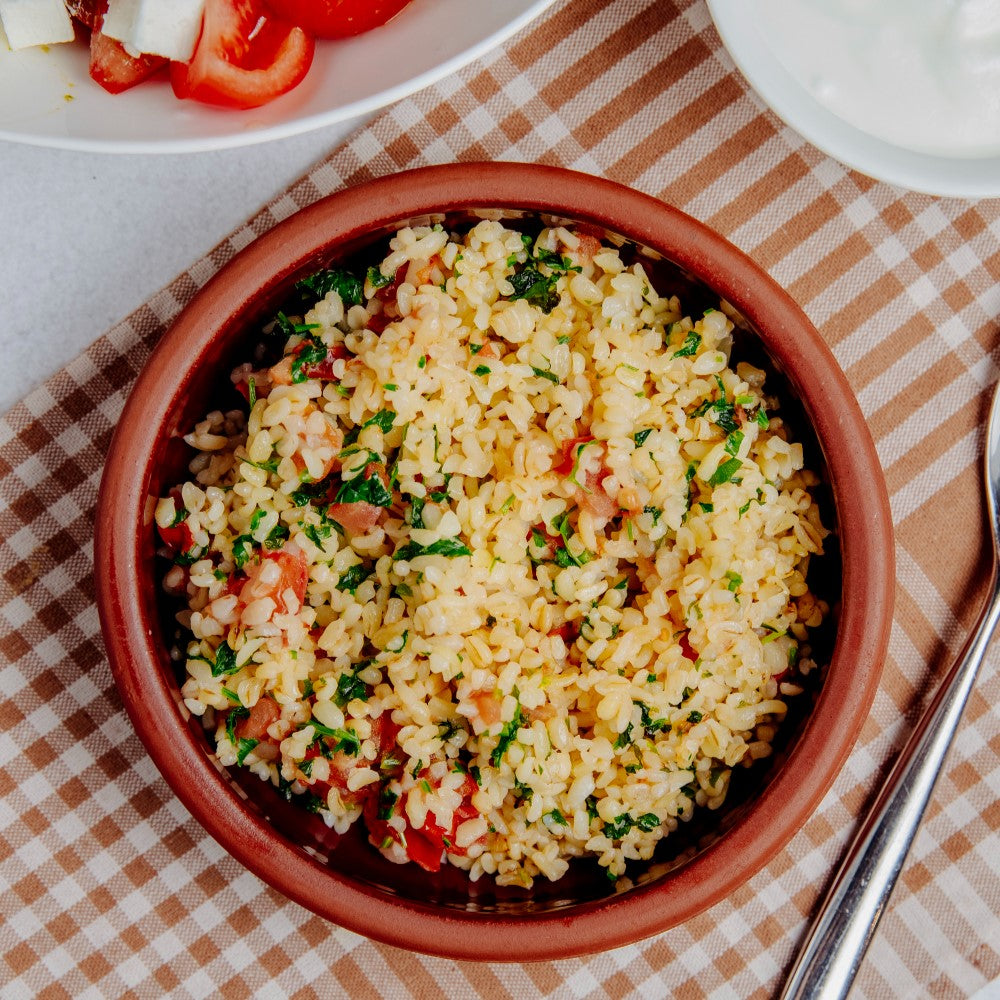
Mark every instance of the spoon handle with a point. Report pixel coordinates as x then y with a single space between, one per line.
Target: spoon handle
846 921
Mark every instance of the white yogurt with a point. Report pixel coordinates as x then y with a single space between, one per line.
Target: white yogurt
920 74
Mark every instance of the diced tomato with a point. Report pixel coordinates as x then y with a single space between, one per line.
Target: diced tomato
177 537
114 69
384 733
387 296
357 518
294 576
426 845
88 12
254 726
488 706
243 57
687 650
568 449
568 632
594 499
324 369
337 18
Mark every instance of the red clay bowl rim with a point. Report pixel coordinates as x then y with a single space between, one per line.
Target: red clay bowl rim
866 540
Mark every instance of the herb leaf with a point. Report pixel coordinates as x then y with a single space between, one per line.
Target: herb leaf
449 547
507 736
335 279
690 346
225 661
725 472
383 419
364 490
353 577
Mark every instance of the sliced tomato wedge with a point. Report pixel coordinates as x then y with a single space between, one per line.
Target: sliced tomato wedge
114 69
244 57
337 18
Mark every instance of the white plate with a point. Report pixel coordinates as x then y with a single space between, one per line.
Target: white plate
47 98
751 49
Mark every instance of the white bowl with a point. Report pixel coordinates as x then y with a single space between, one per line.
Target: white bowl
48 99
754 52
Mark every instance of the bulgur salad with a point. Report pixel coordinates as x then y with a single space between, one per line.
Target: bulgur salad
503 556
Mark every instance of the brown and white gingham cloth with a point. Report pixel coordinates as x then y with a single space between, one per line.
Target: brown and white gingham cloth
109 889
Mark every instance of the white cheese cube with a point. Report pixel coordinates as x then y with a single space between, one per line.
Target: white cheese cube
162 29
35 22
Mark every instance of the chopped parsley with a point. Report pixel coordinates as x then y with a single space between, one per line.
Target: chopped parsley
624 738
364 488
535 286
353 577
243 748
347 740
542 373
311 354
507 736
377 279
482 370
350 687
640 436
690 346
450 547
651 726
725 472
383 420
335 279
417 512
387 800
225 661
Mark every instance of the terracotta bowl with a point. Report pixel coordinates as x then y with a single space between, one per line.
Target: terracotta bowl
352 884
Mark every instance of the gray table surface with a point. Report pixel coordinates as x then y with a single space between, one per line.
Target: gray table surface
85 238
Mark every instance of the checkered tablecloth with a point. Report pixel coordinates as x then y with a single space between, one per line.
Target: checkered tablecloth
108 888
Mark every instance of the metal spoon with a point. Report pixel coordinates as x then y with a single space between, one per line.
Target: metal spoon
845 924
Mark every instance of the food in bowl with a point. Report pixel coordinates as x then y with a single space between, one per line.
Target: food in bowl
505 557
230 53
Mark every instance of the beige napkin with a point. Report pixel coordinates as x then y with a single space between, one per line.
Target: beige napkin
108 888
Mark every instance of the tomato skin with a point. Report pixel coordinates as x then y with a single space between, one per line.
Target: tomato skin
687 650
255 725
177 537
324 369
114 69
568 449
88 12
357 518
243 59
337 18
425 846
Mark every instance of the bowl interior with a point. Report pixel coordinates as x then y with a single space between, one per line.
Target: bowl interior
350 856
